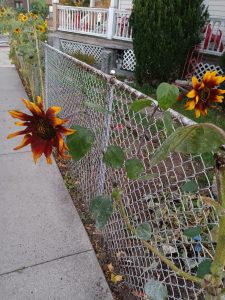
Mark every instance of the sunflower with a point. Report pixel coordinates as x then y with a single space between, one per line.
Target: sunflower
205 93
30 14
24 18
17 30
20 16
2 12
35 17
44 130
41 28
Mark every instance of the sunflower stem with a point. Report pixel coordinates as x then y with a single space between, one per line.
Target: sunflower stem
39 65
218 264
153 249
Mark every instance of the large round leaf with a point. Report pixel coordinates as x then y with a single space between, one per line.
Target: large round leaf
193 139
134 167
144 231
101 208
167 95
155 290
114 156
80 142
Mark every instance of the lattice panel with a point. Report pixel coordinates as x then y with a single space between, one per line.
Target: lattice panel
129 60
160 201
71 47
203 67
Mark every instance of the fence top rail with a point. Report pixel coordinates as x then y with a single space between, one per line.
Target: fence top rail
76 8
121 85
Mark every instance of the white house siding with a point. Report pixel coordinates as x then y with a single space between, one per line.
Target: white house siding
125 4
216 8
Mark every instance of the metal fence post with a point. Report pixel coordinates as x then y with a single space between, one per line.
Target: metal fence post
105 137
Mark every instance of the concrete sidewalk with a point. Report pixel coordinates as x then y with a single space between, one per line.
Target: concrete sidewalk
45 253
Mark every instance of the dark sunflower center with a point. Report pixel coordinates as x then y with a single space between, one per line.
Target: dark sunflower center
45 130
205 94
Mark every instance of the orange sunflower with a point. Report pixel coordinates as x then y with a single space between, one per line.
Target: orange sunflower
41 28
44 130
17 30
24 18
205 93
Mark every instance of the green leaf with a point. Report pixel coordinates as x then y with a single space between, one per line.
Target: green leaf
191 139
155 290
166 95
97 107
138 105
192 232
114 156
101 208
190 187
204 268
134 167
168 121
144 231
80 142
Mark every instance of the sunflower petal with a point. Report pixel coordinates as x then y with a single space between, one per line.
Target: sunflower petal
197 112
48 152
26 141
190 105
220 91
207 77
37 146
65 131
52 111
218 99
204 112
40 102
59 142
20 115
192 94
57 121
27 130
195 83
22 123
219 80
36 111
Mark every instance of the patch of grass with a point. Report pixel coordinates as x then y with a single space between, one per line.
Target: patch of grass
146 89
214 116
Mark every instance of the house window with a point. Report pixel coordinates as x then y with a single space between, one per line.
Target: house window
18 4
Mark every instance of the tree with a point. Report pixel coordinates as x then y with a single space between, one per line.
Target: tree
163 33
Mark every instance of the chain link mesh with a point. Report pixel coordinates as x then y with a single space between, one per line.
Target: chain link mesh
160 201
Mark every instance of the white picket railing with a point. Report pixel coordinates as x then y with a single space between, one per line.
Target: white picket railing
92 21
214 37
110 23
123 30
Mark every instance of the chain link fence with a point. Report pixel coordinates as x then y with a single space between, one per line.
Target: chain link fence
161 202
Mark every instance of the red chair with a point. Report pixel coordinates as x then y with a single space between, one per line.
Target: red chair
210 37
194 58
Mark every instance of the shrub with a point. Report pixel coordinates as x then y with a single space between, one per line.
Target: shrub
39 7
87 58
163 33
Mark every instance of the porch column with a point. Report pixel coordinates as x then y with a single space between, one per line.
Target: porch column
114 3
111 20
92 3
55 15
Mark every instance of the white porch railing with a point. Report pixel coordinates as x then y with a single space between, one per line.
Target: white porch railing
92 21
123 30
214 37
110 23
